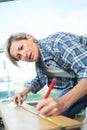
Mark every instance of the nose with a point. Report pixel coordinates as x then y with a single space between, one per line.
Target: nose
23 55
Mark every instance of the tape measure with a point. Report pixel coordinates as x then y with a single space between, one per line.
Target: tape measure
33 110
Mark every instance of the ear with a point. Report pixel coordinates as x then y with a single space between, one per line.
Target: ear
28 36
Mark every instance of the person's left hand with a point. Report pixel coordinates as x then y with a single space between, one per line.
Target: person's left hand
50 106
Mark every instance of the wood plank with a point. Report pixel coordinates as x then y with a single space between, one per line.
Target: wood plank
16 118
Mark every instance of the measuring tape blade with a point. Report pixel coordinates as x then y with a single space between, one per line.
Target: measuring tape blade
33 110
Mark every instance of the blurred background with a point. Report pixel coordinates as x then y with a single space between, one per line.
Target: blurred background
39 18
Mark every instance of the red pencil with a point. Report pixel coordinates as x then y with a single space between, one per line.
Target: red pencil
53 82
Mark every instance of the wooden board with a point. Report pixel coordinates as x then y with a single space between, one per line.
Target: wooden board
17 118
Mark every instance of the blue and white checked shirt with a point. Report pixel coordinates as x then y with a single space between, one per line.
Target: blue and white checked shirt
63 50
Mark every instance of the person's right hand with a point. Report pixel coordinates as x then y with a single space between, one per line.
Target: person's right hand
19 98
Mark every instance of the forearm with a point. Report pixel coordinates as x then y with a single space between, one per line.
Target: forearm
76 93
27 90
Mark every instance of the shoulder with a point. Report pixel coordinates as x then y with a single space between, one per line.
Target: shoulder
51 38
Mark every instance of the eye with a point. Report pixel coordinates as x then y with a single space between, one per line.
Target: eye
19 57
20 47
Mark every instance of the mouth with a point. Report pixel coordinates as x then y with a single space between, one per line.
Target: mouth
31 56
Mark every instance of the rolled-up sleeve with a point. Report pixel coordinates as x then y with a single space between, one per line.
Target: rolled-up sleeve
37 84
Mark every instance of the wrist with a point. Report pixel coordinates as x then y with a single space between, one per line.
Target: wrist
26 91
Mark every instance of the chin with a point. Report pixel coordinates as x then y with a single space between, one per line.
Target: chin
35 59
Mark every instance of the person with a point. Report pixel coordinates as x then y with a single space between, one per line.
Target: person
63 50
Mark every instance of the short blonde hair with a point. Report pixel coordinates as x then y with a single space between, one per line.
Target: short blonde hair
13 38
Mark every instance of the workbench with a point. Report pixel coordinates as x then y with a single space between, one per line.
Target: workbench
17 118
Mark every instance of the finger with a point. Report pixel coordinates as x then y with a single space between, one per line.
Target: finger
53 112
48 109
45 110
15 100
42 104
23 98
20 100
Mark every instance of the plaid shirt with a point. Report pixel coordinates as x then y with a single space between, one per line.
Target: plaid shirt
63 50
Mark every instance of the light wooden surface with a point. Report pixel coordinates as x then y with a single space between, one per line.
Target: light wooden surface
16 118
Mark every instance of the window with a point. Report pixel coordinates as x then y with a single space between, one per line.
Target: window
6 88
